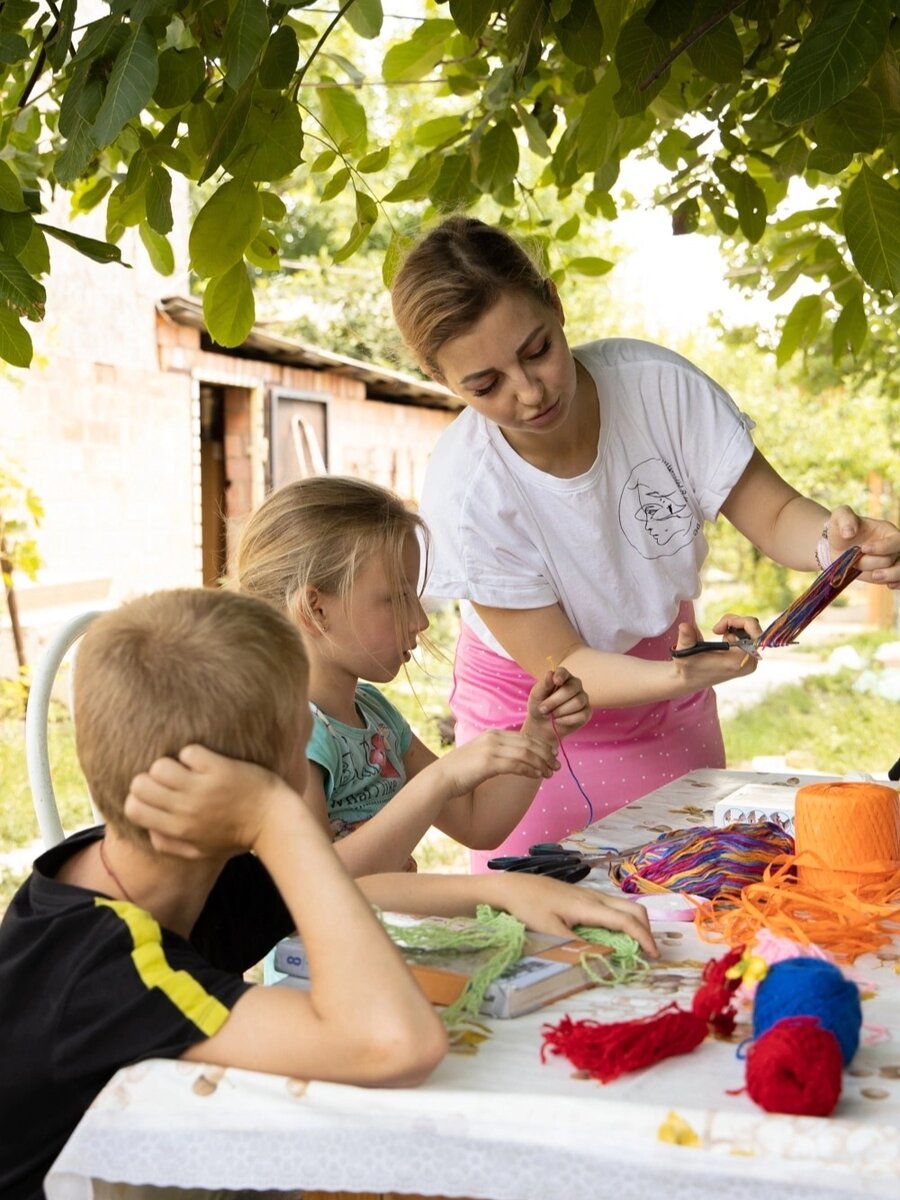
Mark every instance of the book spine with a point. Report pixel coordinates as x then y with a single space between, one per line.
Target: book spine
290 958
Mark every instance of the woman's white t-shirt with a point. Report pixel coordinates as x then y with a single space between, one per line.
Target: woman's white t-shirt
618 547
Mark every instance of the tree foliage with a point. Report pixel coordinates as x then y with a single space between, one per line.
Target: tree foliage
534 101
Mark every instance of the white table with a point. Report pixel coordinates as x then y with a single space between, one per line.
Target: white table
499 1125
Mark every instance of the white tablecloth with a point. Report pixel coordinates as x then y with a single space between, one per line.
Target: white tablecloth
500 1125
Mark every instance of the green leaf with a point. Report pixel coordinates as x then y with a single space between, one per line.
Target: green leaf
471 16
35 256
800 327
418 183
343 117
568 229
201 123
57 46
24 294
375 161
263 251
366 17
322 162
223 228
366 214
718 54
790 158
786 279
854 125
581 34
850 329
417 57
280 59
101 252
274 208
832 162
271 145
15 340
752 210
231 114
158 200
228 306
537 139
335 184
836 54
11 198
453 182
872 228
498 158
158 249
686 217
599 128
15 230
246 32
589 266
437 131
639 53
181 73
134 77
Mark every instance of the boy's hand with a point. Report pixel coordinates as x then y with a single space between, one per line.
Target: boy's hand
560 696
551 906
497 752
202 804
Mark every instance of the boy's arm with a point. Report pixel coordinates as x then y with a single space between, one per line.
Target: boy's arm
218 806
545 905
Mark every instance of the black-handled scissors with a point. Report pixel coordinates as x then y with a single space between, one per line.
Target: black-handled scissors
747 644
550 858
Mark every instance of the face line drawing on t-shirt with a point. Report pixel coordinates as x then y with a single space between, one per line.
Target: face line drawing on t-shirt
655 513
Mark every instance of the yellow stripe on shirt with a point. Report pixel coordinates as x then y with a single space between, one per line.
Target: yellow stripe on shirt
186 993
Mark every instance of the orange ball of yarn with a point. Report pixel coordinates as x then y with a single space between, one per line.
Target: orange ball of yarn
852 829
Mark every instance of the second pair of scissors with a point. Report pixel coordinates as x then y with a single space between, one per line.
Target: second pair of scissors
741 642
550 858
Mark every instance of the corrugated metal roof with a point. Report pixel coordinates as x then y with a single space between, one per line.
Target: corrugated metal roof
381 382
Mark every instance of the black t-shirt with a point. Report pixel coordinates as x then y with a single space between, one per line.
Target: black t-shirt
89 985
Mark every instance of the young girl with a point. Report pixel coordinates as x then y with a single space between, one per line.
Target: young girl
341 558
567 505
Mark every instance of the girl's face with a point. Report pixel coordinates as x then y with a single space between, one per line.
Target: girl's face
514 367
375 632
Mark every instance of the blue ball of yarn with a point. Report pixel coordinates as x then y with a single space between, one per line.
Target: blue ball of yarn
810 987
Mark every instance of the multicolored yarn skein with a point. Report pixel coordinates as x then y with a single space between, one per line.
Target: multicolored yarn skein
704 861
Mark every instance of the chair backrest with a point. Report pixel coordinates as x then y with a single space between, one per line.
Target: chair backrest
37 757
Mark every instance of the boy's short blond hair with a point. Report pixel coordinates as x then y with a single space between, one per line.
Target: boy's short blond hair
189 665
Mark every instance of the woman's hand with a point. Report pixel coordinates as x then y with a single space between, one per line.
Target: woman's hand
551 906
709 667
557 705
878 540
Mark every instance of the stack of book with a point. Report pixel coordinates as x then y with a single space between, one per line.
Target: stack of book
550 968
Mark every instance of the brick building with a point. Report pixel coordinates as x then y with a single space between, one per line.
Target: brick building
148 444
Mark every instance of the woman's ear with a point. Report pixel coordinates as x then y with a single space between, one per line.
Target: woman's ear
555 302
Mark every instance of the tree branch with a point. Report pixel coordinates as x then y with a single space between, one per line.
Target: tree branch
694 36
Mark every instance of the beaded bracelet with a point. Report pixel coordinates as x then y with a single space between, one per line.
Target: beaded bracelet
823 549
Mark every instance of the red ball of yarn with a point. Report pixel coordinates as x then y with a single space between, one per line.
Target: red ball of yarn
795 1067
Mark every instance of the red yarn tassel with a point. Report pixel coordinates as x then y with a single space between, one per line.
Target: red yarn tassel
606 1051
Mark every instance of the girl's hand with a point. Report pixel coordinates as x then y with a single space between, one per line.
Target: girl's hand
557 704
878 540
550 906
496 752
202 804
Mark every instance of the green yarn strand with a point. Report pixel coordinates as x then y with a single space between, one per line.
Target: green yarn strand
626 963
490 931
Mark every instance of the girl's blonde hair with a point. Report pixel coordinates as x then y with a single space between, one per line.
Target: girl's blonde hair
318 533
451 277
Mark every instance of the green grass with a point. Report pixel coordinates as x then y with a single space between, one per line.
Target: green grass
820 724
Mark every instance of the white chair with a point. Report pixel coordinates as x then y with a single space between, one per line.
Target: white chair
37 757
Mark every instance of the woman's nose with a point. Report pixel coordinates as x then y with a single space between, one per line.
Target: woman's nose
529 390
